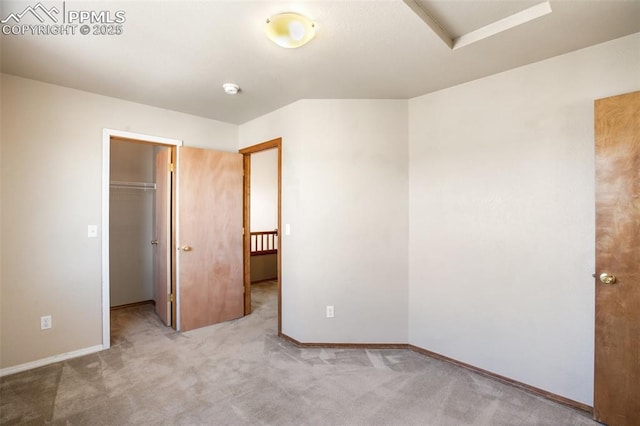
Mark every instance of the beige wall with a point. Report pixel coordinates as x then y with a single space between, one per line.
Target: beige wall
264 190
131 224
345 195
1 210
264 267
51 142
264 209
502 217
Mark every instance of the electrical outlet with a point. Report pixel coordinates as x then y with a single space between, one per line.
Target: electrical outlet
92 231
330 311
45 322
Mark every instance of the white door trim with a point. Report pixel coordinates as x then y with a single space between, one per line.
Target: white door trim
107 134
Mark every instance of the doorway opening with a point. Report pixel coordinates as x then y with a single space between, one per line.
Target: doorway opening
264 244
132 188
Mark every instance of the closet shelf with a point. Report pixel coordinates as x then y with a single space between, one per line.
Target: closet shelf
132 185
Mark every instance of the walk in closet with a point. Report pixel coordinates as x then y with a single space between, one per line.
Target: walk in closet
132 222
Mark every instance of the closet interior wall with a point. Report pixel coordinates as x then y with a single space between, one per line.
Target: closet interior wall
132 222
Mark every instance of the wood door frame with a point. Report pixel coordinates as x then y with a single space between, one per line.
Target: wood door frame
107 135
246 221
163 202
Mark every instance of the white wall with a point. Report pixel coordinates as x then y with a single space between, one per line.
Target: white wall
502 217
131 224
264 190
344 192
51 142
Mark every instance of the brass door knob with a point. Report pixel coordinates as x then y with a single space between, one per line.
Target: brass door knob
186 248
154 242
606 278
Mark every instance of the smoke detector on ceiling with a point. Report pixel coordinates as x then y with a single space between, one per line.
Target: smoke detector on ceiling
230 88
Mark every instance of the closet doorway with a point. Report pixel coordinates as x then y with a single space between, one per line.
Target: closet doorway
138 201
262 242
132 220
198 241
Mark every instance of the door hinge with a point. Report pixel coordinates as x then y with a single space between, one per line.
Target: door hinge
172 298
243 230
171 167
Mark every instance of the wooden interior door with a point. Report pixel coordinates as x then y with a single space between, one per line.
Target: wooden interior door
617 327
210 263
163 236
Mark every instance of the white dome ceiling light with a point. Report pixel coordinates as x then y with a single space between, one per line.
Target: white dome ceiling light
290 30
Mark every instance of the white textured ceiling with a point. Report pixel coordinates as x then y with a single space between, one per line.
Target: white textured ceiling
461 17
177 54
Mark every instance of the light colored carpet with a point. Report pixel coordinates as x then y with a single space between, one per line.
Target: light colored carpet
241 373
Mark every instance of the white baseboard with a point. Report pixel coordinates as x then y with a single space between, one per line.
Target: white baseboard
49 360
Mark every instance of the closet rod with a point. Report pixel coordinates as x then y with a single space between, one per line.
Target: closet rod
132 185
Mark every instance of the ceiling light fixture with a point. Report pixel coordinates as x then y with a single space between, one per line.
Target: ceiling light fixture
290 30
230 88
